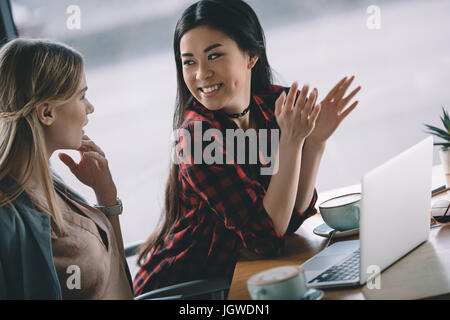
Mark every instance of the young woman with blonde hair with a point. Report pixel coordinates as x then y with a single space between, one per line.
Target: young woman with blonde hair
53 245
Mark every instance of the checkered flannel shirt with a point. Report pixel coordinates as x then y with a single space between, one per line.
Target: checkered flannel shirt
221 209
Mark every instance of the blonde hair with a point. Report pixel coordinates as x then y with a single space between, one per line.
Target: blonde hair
32 72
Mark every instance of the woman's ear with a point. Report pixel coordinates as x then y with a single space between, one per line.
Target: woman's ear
46 114
253 60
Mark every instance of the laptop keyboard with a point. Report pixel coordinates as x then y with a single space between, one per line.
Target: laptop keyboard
346 270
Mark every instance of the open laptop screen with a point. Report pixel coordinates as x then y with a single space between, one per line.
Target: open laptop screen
395 208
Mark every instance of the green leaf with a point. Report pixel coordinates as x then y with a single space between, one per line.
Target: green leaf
444 145
446 120
439 136
438 132
442 137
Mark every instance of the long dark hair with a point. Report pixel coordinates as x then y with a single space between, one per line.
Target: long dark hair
237 20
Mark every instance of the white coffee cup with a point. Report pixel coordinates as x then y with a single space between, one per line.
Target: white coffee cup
342 213
281 283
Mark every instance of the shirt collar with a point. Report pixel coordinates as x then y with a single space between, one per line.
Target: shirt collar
263 109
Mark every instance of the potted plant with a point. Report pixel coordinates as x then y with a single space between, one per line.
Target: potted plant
443 134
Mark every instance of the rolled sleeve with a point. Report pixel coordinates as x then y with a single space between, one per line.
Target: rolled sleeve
298 217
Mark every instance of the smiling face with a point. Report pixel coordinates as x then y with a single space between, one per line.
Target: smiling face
65 129
215 70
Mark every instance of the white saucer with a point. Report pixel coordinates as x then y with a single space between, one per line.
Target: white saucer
314 294
325 231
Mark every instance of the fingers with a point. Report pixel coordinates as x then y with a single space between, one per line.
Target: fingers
315 113
335 89
95 156
343 88
90 155
303 105
94 161
279 103
88 145
348 110
346 100
336 100
339 90
301 100
311 102
68 161
291 96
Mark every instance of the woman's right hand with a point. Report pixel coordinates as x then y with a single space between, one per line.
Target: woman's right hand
296 116
93 171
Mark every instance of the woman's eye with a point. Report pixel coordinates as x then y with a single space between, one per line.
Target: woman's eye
214 56
188 62
83 97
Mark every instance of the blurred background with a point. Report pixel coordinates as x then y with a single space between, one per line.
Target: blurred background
403 68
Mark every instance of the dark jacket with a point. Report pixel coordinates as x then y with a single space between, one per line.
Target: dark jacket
27 270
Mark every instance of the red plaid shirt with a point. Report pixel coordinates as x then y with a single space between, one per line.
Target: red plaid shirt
221 209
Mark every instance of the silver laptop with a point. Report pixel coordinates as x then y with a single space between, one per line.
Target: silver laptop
394 220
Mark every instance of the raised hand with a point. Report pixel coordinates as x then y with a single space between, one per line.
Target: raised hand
332 110
93 171
296 115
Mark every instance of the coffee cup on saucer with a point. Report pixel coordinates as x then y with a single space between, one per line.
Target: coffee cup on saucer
342 213
282 283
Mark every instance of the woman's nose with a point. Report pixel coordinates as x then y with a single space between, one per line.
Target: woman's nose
90 108
204 72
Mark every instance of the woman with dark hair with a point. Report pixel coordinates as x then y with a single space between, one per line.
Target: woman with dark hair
214 209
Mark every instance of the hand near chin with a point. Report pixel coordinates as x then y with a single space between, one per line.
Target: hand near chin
93 171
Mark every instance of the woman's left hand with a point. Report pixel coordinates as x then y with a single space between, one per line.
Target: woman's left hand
332 114
93 171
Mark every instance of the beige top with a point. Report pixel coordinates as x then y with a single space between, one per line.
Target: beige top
87 258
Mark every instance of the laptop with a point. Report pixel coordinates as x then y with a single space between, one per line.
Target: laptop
394 220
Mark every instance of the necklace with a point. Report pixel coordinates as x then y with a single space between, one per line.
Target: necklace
238 115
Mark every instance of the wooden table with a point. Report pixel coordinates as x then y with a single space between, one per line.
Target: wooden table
423 273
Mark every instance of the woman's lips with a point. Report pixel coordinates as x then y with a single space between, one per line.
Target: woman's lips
210 94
